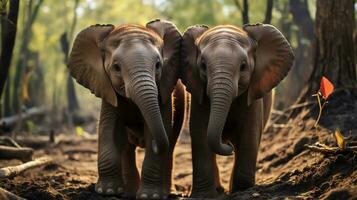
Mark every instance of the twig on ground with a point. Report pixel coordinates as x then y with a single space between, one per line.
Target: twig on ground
12 171
331 150
278 112
74 151
10 141
299 105
4 194
324 149
281 125
23 154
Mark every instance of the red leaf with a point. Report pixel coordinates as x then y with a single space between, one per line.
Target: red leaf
326 87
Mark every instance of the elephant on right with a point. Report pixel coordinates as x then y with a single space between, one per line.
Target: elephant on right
230 73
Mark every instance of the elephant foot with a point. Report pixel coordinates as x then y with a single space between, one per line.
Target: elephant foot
242 184
131 188
109 186
209 194
152 192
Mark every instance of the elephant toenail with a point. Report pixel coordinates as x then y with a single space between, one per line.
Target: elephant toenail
99 190
155 196
110 191
144 196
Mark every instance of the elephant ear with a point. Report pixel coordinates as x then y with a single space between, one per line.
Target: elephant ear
273 59
171 55
86 62
190 53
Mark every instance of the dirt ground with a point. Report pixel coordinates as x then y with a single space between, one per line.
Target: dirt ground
286 168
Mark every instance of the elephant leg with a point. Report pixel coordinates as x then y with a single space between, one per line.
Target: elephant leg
205 170
153 184
110 130
130 172
247 146
157 168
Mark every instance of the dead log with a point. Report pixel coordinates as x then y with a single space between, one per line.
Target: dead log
12 120
6 195
23 154
9 141
8 172
35 142
84 151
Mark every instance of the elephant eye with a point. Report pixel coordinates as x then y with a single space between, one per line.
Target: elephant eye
158 64
243 66
116 67
203 66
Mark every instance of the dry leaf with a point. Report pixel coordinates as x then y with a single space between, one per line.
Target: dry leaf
341 143
326 87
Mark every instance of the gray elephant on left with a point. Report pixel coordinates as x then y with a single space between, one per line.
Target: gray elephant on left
134 69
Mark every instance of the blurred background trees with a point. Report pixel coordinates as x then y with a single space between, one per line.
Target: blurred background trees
36 74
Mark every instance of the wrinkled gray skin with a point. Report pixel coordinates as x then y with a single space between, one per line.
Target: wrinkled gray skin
230 73
134 70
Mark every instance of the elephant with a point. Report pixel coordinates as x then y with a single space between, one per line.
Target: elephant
134 70
230 73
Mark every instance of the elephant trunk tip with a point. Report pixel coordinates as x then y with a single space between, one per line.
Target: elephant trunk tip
220 148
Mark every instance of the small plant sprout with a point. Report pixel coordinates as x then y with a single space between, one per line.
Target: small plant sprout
326 89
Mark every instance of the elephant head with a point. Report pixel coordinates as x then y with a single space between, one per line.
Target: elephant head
136 62
225 62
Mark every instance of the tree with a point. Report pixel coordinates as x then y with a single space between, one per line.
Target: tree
244 10
268 12
334 55
298 77
72 101
302 18
8 35
24 52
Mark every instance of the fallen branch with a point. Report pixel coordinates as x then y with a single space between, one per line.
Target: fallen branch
10 141
299 105
23 154
4 194
36 142
324 149
85 151
281 125
12 171
278 112
330 150
12 120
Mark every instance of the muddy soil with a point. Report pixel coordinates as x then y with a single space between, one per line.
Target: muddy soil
286 168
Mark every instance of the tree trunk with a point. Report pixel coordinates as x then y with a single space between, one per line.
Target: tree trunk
7 100
299 75
21 63
72 100
245 12
8 35
334 55
301 16
268 12
71 92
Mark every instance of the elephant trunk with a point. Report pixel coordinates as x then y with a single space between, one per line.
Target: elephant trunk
145 95
221 95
